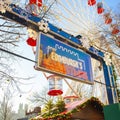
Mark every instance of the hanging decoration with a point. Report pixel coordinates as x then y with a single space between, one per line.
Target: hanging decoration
55 85
32 37
107 58
107 18
85 42
31 42
43 26
4 5
37 2
33 7
91 2
100 8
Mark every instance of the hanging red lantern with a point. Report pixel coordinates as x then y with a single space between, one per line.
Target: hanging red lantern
91 2
31 42
55 85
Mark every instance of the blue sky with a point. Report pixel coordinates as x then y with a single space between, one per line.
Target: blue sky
112 3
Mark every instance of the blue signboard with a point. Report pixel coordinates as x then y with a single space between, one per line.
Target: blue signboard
59 58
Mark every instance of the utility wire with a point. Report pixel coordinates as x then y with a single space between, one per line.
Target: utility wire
17 55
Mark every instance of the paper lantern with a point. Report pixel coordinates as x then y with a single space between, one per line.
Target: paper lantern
55 85
91 2
31 42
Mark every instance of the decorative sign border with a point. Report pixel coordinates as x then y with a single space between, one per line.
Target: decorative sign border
59 58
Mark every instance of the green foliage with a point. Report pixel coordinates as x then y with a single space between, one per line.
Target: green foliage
53 110
60 105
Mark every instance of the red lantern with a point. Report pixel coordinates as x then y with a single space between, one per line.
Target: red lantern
55 85
108 20
31 42
91 2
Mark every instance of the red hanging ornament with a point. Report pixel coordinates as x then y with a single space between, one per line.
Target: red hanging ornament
31 42
32 1
55 85
91 2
